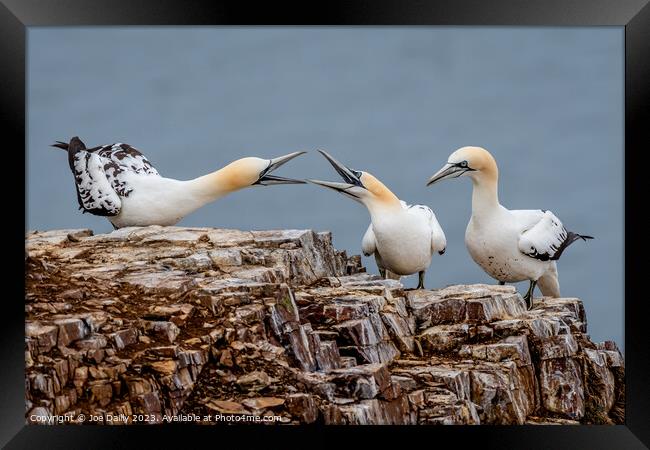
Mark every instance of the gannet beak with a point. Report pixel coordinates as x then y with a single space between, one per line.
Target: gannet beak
448 171
343 188
353 187
266 179
348 175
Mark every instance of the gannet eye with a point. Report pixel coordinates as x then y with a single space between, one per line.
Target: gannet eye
357 173
463 164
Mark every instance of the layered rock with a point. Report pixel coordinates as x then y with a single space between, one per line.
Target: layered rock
158 323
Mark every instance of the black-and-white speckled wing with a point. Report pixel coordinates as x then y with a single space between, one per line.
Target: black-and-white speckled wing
546 238
101 176
94 190
120 160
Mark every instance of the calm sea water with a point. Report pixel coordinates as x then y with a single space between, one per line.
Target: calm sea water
548 103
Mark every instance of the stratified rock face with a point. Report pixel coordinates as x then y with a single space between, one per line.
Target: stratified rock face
169 321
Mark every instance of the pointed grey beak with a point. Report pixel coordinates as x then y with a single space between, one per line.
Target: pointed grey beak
448 171
267 179
343 188
348 175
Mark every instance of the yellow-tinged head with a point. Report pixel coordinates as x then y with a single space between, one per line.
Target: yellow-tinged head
252 171
358 185
377 189
475 162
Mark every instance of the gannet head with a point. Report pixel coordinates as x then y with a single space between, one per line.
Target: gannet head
360 186
253 171
475 162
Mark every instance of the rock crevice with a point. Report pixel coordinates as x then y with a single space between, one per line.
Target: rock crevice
172 321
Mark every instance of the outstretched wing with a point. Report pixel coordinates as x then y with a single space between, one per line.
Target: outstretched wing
546 238
368 244
94 191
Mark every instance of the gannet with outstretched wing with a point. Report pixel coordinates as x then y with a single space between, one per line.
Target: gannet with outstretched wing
510 245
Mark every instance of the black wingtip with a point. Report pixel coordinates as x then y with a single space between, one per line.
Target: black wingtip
585 237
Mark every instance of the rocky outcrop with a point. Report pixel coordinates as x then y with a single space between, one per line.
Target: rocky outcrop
167 323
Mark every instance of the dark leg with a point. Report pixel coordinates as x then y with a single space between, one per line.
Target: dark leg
420 280
501 283
529 295
382 272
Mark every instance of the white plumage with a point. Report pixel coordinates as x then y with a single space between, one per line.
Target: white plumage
402 237
117 181
95 190
509 245
409 238
546 238
368 245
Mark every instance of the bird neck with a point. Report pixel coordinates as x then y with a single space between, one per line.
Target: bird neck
379 208
212 186
380 199
485 196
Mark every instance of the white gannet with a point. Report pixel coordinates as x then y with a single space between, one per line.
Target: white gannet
402 237
118 182
510 245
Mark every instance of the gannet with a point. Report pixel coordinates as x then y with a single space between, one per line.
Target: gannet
510 245
118 182
402 237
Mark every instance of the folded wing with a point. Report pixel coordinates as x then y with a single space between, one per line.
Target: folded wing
102 174
94 191
546 238
438 239
368 243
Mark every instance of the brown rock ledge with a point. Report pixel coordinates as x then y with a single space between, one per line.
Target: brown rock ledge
169 322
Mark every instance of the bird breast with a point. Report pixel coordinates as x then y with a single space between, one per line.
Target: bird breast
404 243
493 245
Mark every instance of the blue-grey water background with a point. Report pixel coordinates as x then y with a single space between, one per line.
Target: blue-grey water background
547 102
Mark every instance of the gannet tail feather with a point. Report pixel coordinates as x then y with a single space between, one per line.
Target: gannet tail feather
61 145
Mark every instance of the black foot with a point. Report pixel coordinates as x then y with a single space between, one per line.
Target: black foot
501 283
528 298
382 273
420 280
529 302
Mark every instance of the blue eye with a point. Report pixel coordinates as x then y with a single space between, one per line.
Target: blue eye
463 164
357 173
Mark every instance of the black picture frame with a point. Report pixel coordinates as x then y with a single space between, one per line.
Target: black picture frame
633 15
